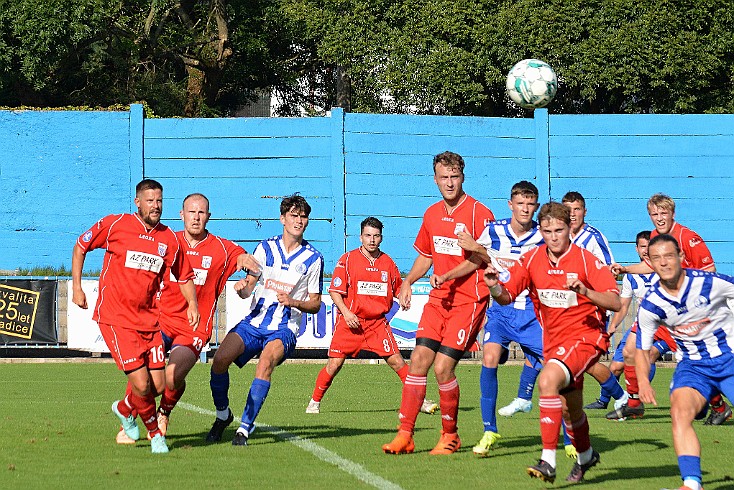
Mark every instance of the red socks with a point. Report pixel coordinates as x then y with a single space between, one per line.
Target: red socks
414 392
551 414
323 381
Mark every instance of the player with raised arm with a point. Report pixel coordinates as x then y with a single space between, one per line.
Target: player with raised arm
455 310
214 260
363 286
140 252
696 255
289 285
692 305
590 238
571 290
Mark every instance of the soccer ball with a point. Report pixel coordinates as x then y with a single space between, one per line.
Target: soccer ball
532 84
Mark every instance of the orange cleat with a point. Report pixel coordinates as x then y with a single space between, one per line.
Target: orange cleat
402 444
448 444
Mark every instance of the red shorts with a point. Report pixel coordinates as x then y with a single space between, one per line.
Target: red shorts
577 355
185 337
454 326
661 333
374 336
132 349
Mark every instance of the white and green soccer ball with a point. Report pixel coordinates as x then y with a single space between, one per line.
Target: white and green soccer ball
532 83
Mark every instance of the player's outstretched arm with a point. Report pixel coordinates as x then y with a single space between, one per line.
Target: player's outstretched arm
607 300
642 369
78 297
619 316
248 262
465 268
188 290
311 305
244 287
419 269
640 268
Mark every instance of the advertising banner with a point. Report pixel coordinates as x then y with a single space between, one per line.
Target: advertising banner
83 332
28 311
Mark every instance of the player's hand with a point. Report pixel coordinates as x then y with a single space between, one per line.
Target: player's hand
467 242
647 394
352 320
284 299
405 295
617 269
436 281
239 287
248 261
193 314
491 276
611 330
79 298
575 285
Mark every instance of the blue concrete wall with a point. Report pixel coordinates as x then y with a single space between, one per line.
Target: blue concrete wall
64 170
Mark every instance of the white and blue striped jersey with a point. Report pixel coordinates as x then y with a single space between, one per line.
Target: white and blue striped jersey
298 274
594 241
637 285
505 248
698 318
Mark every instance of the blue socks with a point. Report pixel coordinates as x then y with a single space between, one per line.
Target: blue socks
255 399
527 382
488 401
690 467
219 384
611 387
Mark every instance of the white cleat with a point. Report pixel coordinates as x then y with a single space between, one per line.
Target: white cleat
622 401
429 406
516 406
313 406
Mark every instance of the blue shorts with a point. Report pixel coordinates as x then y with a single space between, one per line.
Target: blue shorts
256 339
707 376
660 345
506 324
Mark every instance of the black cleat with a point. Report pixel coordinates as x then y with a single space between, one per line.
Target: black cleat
240 439
597 405
543 470
215 434
718 418
579 470
626 412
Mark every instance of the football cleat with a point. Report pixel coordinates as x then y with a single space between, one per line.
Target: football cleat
313 406
129 425
571 451
240 439
158 444
597 405
488 442
718 418
429 406
123 438
543 471
449 443
516 406
626 412
579 470
215 434
402 444
622 401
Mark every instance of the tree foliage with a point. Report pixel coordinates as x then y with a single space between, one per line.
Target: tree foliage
205 57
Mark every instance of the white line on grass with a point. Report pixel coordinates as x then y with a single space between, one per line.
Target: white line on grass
322 453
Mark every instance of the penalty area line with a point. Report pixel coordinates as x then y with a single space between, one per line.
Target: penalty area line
326 455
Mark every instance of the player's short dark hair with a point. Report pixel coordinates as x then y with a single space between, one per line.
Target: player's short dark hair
195 194
664 238
574 196
525 189
449 159
643 235
372 222
296 201
147 184
555 210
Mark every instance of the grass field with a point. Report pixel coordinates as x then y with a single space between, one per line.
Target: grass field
58 432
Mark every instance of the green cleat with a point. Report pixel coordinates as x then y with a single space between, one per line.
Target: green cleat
571 451
158 444
129 425
489 440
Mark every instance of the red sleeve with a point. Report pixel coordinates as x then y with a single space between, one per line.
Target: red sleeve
424 242
482 217
181 267
598 274
695 250
233 251
96 236
519 279
397 281
339 277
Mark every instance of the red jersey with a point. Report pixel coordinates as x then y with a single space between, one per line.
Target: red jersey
562 313
136 262
213 260
368 285
437 240
696 254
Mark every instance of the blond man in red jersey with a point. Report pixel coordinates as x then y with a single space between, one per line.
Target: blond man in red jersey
455 310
